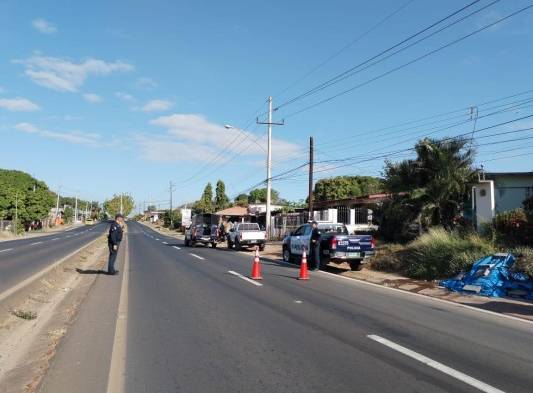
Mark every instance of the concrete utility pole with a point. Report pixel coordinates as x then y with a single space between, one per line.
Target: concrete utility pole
170 188
311 160
269 123
57 203
76 210
121 204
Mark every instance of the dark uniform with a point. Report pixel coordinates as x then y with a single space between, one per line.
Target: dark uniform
113 239
315 248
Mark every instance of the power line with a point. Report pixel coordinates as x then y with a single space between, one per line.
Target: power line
417 59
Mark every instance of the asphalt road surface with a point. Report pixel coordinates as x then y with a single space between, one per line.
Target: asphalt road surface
20 259
193 324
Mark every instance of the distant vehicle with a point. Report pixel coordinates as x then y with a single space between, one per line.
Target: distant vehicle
246 235
201 234
203 230
336 245
89 221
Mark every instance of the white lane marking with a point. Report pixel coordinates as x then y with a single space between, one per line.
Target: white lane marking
55 238
33 244
116 379
156 238
66 237
176 247
298 301
257 283
7 249
164 242
197 256
436 365
428 298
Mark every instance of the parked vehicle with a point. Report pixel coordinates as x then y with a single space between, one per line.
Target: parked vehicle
201 234
246 235
336 245
203 230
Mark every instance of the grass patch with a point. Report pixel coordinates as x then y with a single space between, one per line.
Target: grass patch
28 315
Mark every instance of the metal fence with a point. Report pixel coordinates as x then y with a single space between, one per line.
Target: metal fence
6 225
282 224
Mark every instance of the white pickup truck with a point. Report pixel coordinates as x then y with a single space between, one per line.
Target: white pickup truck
246 235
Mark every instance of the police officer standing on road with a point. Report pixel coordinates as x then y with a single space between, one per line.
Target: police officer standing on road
113 241
315 245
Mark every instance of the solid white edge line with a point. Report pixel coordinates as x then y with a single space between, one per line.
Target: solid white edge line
41 273
5 250
245 278
197 256
426 297
116 379
436 365
176 247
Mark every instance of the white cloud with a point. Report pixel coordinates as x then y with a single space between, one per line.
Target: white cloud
76 137
146 83
44 26
189 136
18 105
92 98
65 75
156 106
125 96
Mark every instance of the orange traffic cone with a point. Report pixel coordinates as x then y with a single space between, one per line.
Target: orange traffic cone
304 275
256 267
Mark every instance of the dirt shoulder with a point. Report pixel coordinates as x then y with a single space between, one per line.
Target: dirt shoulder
33 321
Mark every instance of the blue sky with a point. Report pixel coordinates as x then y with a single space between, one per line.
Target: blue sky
105 97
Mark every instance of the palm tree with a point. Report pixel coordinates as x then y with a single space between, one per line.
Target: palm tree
436 182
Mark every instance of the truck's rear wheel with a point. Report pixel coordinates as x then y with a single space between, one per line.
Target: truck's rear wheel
355 265
230 245
214 244
287 256
238 245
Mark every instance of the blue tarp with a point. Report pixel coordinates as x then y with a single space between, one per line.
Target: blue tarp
492 276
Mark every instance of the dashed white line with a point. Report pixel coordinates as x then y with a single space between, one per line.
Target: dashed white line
55 238
7 249
436 365
197 256
164 242
176 247
256 283
33 244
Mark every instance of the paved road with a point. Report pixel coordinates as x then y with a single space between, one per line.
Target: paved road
20 259
192 326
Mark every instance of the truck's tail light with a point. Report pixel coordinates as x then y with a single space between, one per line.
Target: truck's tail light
333 243
373 242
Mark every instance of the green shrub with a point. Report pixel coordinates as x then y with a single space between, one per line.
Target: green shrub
512 228
440 254
528 208
524 260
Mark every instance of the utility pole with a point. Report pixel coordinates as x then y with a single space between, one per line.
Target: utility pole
170 189
76 210
311 160
16 211
57 203
269 123
121 204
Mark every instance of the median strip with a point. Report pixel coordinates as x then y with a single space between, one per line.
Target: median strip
256 283
436 365
197 256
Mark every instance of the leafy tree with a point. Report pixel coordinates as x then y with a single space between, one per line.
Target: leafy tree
69 214
435 184
112 206
241 200
341 187
176 218
205 204
260 195
221 199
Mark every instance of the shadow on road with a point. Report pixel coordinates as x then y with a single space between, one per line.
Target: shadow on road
90 271
524 310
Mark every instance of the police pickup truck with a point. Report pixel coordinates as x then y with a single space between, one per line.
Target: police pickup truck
336 245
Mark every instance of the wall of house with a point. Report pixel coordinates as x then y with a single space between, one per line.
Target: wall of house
510 191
